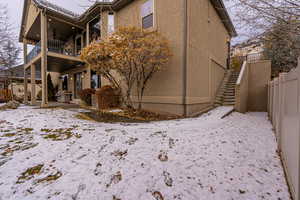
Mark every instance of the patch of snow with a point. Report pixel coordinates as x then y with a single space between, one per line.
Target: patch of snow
190 159
115 111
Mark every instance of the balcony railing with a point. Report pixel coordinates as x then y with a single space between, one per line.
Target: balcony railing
55 46
34 52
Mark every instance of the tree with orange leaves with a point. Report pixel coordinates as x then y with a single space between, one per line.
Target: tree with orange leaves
135 54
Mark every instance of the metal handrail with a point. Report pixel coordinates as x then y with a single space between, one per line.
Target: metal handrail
56 46
34 52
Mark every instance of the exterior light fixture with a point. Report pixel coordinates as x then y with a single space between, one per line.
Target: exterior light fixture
73 27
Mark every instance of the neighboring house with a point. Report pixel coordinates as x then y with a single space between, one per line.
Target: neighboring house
252 48
15 77
199 33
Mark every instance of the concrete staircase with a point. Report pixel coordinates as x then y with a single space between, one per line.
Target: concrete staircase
226 94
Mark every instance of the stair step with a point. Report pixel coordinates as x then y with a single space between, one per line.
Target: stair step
229 97
228 104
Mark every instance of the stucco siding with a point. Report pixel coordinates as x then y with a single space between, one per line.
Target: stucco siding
32 15
207 51
169 23
259 77
217 76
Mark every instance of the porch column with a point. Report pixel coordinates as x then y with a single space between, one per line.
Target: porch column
104 24
32 81
87 34
88 74
88 77
44 44
25 74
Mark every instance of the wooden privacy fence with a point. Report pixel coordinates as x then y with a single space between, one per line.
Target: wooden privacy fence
284 112
5 95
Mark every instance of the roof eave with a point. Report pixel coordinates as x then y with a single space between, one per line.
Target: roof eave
119 4
23 21
222 11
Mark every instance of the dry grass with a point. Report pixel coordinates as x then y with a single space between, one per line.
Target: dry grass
29 173
59 134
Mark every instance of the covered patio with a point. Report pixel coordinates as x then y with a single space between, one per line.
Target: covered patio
54 63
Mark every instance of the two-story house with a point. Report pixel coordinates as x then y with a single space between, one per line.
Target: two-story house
199 32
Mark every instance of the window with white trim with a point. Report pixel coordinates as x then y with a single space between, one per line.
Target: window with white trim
111 23
147 13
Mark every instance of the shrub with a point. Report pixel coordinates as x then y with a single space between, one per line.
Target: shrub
86 95
108 97
135 54
51 89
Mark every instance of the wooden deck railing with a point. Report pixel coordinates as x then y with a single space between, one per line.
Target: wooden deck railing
5 95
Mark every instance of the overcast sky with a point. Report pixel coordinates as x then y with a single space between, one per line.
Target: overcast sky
15 9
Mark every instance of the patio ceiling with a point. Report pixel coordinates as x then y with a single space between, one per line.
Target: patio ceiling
58 63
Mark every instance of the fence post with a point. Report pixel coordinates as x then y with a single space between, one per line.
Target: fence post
275 104
268 105
298 74
271 101
281 103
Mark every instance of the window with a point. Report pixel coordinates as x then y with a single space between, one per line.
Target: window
95 80
147 14
65 82
111 23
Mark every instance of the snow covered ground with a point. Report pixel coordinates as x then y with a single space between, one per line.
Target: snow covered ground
49 154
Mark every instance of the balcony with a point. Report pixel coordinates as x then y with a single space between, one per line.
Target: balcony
55 46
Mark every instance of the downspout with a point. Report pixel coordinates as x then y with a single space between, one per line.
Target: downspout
184 56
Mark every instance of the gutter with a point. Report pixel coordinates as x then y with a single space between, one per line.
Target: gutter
184 56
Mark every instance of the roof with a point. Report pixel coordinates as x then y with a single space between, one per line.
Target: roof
115 5
54 7
222 12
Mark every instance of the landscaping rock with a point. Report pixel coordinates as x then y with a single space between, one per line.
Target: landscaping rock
10 105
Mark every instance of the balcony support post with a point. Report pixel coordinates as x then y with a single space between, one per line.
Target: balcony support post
88 74
25 74
32 79
44 44
87 34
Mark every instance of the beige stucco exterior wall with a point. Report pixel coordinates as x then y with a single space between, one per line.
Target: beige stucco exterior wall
259 77
32 15
166 86
242 90
207 52
217 76
18 89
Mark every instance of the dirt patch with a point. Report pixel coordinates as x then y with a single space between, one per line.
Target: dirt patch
163 156
115 179
120 154
126 116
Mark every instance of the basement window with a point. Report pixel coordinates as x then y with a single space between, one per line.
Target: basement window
147 14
